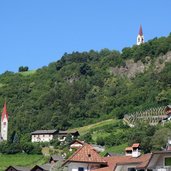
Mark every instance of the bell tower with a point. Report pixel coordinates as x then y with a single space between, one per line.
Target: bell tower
140 37
4 123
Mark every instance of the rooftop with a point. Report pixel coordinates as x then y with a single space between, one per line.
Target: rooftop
44 132
87 154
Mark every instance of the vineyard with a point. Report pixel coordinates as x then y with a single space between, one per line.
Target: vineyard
152 116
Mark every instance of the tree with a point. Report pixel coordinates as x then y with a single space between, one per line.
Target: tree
85 69
23 69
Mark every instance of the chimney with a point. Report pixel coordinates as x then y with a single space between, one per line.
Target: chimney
136 152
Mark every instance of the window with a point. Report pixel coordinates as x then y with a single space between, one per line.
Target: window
131 169
81 169
167 161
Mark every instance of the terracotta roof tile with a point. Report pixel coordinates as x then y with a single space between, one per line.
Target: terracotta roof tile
112 162
86 154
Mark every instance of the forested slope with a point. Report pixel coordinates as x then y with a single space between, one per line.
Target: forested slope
87 87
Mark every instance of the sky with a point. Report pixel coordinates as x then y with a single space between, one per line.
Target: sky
35 33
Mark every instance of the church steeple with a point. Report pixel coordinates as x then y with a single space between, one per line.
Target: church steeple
140 37
4 122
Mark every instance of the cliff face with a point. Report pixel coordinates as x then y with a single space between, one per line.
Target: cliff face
131 68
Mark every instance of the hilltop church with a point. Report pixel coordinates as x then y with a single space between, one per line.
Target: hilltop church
4 124
140 37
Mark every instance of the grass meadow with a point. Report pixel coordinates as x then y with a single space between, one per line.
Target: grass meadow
20 160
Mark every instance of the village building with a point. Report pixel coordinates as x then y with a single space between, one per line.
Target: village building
55 158
43 135
48 135
63 134
168 112
17 168
4 124
85 159
140 37
45 167
76 144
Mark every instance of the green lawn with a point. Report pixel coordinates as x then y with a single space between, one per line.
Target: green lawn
85 129
116 149
26 73
20 160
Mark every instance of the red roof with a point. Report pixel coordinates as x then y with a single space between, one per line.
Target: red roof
140 31
140 162
86 154
4 112
136 145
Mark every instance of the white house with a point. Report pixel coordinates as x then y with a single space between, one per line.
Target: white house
43 135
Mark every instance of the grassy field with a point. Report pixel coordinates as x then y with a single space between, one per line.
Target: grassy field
85 129
117 149
27 73
20 160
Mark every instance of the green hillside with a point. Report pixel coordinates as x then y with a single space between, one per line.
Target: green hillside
88 87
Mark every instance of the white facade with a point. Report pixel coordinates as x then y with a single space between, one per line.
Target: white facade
42 137
82 166
4 128
140 39
136 152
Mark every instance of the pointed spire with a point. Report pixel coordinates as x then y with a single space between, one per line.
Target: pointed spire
140 31
4 112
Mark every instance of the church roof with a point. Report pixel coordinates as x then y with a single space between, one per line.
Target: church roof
140 31
4 112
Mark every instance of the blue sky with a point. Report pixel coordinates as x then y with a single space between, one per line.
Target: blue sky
35 33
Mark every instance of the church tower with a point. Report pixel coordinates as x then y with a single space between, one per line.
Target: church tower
4 123
140 37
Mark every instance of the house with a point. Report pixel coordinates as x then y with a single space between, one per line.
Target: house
75 144
48 135
85 159
160 161
55 158
168 112
45 167
63 134
17 168
43 135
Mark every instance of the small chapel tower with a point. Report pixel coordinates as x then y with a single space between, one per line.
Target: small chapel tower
140 37
4 123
